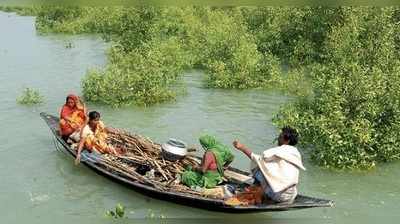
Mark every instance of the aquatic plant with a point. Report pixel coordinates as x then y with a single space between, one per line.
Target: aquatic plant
152 215
69 45
118 212
30 97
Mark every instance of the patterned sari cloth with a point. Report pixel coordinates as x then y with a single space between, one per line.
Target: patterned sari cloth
72 118
210 178
97 140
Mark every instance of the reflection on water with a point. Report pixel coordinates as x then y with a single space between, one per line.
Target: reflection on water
40 184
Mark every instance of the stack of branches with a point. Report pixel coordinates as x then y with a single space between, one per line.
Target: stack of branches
141 151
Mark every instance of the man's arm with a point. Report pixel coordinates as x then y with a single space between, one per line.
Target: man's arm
80 147
242 148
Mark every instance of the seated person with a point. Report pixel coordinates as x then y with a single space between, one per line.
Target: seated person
72 116
211 170
93 137
277 169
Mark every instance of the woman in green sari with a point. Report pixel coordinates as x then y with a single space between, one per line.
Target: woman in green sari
209 174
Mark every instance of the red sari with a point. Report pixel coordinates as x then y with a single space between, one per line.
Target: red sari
72 118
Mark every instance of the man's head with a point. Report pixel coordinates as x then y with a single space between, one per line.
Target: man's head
94 118
288 136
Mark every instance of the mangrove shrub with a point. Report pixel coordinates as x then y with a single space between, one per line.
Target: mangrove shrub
143 76
351 120
342 62
216 40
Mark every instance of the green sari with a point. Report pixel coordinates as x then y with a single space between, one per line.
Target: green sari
210 178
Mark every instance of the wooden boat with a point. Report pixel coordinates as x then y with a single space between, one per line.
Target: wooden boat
192 200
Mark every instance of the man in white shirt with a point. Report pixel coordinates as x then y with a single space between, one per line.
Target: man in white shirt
277 169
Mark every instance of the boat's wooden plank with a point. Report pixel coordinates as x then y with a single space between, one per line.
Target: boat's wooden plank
237 177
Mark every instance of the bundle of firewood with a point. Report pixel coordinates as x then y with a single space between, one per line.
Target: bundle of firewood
141 151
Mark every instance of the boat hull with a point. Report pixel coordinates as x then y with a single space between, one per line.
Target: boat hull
301 201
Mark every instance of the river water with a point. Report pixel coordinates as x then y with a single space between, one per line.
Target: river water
42 185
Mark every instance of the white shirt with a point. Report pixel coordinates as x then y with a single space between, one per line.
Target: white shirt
280 166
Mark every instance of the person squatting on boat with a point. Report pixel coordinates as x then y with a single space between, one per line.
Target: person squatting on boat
93 138
72 116
209 174
276 170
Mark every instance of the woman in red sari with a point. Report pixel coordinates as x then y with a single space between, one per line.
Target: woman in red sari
72 116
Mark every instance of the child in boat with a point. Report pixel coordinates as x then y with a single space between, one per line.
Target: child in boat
277 169
72 116
93 137
211 170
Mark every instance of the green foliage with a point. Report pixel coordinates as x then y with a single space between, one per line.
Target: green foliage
351 119
118 213
143 76
230 56
30 97
295 35
152 46
343 64
152 215
54 18
20 10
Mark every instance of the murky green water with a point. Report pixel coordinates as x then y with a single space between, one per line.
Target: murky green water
41 185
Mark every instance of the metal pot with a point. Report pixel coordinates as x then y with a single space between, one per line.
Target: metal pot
174 149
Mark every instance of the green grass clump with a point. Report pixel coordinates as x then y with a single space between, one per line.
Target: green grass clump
30 97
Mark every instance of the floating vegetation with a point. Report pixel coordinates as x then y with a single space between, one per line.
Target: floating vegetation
152 215
30 97
69 45
118 212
